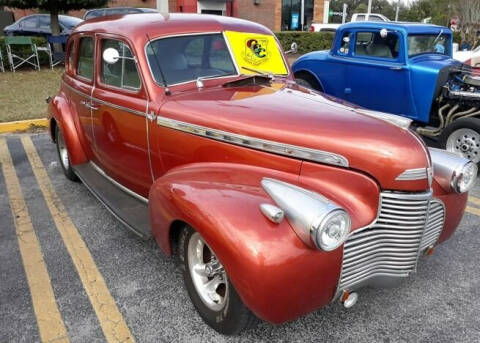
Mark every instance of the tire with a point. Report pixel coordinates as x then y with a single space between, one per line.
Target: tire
222 308
308 81
463 136
64 156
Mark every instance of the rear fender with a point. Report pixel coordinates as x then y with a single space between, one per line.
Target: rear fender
61 115
277 276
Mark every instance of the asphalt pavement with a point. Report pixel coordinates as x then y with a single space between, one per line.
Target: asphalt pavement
95 281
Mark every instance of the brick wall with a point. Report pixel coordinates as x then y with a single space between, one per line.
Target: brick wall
267 12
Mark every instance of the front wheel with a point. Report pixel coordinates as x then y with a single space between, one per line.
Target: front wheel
208 286
63 155
463 136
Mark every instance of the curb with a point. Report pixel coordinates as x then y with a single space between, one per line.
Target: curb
22 125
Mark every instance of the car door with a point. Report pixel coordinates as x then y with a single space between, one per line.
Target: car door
78 79
378 77
119 122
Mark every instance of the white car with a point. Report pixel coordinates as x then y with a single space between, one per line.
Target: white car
470 57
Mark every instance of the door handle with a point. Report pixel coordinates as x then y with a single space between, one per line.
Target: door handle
395 68
89 105
151 116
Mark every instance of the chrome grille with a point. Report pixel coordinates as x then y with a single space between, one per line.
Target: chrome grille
390 246
433 229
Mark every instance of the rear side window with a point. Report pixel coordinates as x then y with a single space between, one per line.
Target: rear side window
29 23
85 58
93 14
70 56
44 22
123 73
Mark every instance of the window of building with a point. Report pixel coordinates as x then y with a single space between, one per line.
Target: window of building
291 15
85 58
122 74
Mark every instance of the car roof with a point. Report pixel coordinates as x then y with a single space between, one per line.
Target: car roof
406 27
156 24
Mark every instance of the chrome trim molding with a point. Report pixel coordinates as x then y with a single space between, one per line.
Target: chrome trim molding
256 143
412 174
90 97
401 122
122 187
434 225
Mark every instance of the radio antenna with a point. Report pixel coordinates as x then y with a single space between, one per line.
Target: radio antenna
157 61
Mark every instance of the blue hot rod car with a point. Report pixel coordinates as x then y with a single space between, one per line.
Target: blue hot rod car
405 69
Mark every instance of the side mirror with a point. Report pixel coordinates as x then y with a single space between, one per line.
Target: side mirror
111 55
293 49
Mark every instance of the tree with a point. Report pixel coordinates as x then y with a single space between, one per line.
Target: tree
468 13
54 7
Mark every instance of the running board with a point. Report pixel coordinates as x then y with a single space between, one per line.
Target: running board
132 212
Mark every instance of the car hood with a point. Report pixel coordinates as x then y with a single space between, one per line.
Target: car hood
285 113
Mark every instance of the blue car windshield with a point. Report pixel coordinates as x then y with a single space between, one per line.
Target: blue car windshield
428 44
69 22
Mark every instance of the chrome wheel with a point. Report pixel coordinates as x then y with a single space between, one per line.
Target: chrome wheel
207 273
465 141
63 152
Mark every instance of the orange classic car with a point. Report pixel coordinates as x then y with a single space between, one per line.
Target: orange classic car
276 199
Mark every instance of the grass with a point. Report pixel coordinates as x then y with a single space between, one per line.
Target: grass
23 93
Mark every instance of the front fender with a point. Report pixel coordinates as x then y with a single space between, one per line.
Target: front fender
277 276
61 115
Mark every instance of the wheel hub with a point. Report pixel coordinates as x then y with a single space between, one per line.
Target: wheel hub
208 274
466 142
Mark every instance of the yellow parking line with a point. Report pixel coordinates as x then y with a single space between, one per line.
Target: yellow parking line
111 320
473 210
49 321
474 200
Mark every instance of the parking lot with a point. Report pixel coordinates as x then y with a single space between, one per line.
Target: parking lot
70 272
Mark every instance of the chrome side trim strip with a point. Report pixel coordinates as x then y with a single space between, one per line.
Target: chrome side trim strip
256 143
122 187
89 97
412 174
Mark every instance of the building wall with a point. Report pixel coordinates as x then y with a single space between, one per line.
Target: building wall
318 7
267 12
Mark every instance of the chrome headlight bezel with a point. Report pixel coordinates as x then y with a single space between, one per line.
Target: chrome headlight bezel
460 173
449 169
318 230
307 212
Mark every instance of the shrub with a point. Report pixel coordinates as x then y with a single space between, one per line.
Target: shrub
306 41
39 41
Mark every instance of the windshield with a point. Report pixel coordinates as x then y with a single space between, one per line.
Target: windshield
70 22
429 43
187 58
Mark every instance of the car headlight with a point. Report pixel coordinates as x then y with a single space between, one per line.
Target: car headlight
453 172
463 179
332 231
317 221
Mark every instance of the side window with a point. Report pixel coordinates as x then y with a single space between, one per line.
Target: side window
194 51
44 22
345 43
85 58
373 44
29 23
70 56
123 73
361 17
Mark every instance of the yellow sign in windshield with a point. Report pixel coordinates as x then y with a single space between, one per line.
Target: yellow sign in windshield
256 51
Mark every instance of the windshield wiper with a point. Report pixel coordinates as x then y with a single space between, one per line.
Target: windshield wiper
437 38
259 72
201 78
